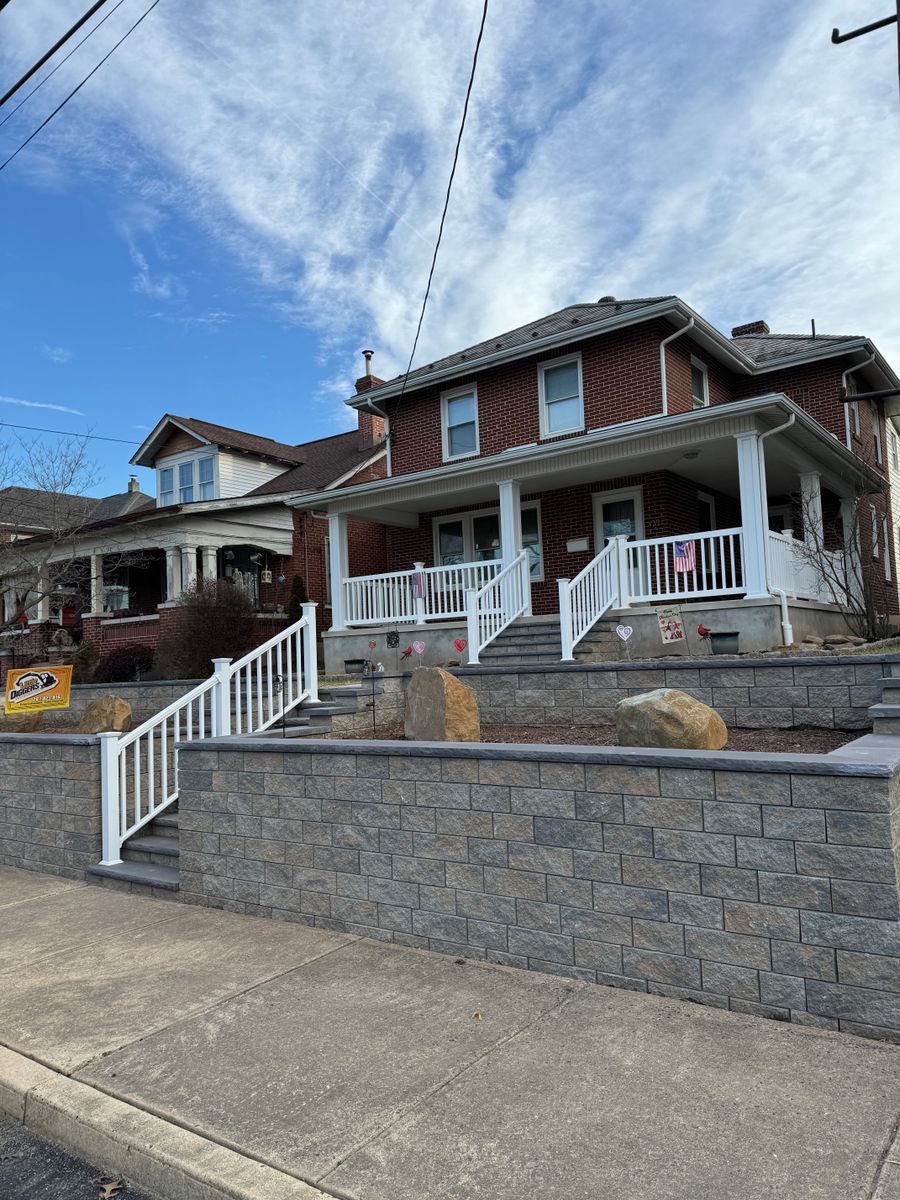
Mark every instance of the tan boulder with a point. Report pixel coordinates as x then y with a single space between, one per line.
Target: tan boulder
670 719
106 714
838 639
440 708
813 639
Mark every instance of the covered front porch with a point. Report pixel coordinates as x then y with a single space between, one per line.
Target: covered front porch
744 502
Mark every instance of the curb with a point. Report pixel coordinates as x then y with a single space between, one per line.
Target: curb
152 1153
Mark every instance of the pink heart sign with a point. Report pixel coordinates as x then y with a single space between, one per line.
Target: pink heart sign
460 644
419 647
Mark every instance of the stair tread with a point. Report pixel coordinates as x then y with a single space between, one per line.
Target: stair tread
153 843
149 874
166 821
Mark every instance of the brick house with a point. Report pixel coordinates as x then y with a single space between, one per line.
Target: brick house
706 468
220 512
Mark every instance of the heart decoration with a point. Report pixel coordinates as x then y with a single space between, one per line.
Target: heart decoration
460 644
372 645
624 632
419 647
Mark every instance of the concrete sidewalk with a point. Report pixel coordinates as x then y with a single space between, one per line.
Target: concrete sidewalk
267 1059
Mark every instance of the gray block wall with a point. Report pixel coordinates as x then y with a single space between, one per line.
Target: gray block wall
764 885
50 803
146 698
762 693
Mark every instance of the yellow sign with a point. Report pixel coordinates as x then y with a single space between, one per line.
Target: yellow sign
37 689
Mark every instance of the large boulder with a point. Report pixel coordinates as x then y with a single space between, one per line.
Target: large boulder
439 708
670 719
106 714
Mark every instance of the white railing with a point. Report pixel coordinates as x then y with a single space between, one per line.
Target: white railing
497 603
584 599
139 769
794 570
414 597
686 566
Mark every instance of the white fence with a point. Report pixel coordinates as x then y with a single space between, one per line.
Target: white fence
584 599
139 769
414 597
495 605
687 566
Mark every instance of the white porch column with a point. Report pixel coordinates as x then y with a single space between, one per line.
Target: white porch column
811 501
338 558
173 574
510 520
209 562
9 603
96 583
754 514
43 602
188 567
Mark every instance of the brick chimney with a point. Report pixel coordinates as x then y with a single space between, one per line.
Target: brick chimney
133 485
753 327
368 380
371 428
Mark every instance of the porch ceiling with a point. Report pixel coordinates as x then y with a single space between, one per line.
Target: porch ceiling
699 446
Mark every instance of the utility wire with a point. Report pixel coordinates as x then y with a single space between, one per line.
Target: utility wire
79 86
440 234
53 49
61 62
94 437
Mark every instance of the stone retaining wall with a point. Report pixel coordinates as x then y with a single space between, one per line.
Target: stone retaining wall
50 803
762 693
766 884
146 698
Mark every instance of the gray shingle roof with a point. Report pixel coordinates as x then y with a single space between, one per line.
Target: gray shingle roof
31 509
325 461
764 348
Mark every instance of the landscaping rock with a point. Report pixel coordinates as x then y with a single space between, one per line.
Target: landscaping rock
670 719
106 714
813 639
439 708
838 639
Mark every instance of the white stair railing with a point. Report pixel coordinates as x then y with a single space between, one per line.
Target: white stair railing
495 605
139 769
584 599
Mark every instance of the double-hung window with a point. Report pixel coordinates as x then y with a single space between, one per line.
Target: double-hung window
561 396
206 472
699 384
459 411
895 449
166 487
875 548
185 482
876 433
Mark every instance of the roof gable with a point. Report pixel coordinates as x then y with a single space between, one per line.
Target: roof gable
209 434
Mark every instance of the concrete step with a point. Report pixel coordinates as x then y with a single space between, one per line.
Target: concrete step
890 691
166 820
153 843
885 718
149 875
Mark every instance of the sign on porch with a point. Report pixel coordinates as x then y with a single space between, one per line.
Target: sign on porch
37 689
671 625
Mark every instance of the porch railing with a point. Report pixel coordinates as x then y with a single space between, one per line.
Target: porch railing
139 769
584 599
414 597
689 566
802 575
497 604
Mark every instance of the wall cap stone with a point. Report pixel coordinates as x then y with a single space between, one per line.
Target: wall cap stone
49 739
673 663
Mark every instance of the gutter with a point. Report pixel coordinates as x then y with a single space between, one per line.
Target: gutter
846 375
662 362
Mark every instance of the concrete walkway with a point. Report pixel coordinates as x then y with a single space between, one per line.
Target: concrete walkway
291 1062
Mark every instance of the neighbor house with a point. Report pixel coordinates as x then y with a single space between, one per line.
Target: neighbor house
219 513
612 458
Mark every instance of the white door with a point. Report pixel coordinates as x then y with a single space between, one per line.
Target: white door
618 513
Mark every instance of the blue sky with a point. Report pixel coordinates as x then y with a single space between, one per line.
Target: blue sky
245 196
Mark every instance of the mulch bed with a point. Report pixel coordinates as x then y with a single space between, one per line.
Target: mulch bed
771 741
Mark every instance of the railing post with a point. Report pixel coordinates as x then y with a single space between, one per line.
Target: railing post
622 571
526 584
472 626
221 698
109 802
565 619
419 586
310 654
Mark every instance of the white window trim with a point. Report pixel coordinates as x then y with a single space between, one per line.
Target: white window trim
894 448
601 498
174 461
160 491
709 498
446 397
548 364
468 519
876 553
702 367
876 433
887 549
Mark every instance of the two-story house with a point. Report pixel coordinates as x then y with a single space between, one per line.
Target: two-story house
220 512
610 459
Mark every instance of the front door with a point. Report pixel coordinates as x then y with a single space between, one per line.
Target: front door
615 514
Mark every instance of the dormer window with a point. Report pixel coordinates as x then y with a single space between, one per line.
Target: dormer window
185 482
206 468
166 487
187 478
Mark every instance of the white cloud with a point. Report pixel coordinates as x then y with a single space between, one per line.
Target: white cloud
729 153
57 354
62 408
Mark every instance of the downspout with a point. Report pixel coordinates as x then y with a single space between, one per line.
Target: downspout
846 375
787 630
662 362
387 434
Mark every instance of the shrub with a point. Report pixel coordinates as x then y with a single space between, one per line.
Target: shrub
124 664
84 662
298 597
216 620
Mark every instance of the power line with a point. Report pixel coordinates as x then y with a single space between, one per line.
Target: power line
53 49
61 62
94 437
79 86
440 234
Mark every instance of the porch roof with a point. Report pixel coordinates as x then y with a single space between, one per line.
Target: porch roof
632 447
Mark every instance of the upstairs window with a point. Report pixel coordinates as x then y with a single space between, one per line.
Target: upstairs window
699 384
185 482
206 471
853 407
166 487
876 433
895 449
459 410
875 548
561 397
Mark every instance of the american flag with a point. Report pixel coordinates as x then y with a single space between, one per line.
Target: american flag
685 556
